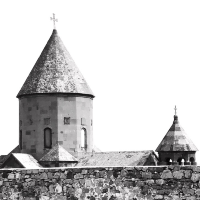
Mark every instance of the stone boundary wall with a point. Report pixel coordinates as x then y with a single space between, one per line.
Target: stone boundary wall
100 183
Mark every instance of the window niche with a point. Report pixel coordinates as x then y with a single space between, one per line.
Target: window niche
30 121
46 121
83 121
180 160
66 120
47 138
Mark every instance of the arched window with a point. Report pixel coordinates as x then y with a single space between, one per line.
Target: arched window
83 139
180 161
47 138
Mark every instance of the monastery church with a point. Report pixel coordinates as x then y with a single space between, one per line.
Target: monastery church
56 122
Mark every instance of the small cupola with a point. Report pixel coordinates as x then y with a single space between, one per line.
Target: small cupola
176 146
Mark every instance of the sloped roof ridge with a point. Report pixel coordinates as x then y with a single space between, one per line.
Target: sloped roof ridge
58 153
125 158
141 151
26 160
176 139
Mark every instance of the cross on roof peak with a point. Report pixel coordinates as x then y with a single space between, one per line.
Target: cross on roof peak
175 110
54 21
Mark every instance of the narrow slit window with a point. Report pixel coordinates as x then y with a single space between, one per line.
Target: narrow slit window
83 121
83 139
20 139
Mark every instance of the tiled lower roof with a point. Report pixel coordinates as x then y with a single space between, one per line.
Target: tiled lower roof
26 160
123 158
4 157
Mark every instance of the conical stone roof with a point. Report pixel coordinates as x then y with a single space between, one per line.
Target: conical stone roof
176 139
55 72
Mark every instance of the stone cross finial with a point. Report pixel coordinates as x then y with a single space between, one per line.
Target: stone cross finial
54 21
175 110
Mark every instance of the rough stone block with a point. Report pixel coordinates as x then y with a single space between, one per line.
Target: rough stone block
196 168
150 182
158 197
166 174
146 175
160 181
156 176
178 174
195 177
197 192
188 173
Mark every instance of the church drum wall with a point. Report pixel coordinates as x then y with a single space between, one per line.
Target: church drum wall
37 112
34 112
80 111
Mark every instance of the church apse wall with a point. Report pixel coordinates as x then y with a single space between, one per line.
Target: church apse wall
102 183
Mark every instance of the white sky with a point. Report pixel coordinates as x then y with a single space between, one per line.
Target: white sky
140 58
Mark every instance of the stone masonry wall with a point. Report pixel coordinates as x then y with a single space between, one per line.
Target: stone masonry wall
39 112
129 183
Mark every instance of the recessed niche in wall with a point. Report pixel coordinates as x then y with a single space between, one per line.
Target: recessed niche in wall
83 121
46 121
30 121
28 132
66 120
